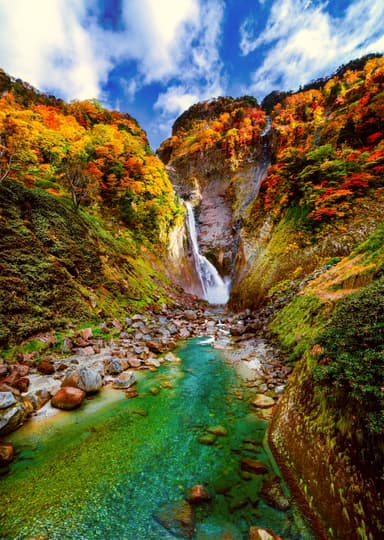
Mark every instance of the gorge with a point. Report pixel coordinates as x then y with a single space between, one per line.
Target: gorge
283 223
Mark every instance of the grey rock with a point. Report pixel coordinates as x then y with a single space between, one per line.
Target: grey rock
90 380
125 380
6 400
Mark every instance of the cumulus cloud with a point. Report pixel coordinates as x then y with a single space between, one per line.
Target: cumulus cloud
47 43
302 41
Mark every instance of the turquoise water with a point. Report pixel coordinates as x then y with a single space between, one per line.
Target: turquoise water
102 471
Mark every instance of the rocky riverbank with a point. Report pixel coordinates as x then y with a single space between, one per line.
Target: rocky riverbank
29 388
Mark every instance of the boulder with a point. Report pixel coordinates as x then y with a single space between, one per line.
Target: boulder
7 453
6 400
71 379
134 362
22 384
190 315
86 333
90 380
263 402
13 415
68 398
220 431
177 517
125 380
39 398
115 366
46 367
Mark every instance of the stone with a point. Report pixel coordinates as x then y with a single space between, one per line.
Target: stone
131 393
46 367
13 416
71 379
190 315
90 380
155 346
86 333
39 398
6 400
170 357
208 439
125 380
220 431
254 466
262 534
22 384
177 517
198 494
185 333
7 453
87 351
134 362
114 366
67 345
263 402
68 398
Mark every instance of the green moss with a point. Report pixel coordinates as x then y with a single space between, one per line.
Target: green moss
299 323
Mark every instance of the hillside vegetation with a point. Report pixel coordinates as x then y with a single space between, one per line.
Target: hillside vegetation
84 205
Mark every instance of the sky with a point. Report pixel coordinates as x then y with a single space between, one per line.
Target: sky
155 58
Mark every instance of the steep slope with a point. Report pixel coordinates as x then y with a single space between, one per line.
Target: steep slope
86 211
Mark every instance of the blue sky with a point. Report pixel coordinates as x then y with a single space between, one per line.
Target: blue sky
155 58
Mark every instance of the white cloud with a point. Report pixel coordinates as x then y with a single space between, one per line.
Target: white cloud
303 42
46 43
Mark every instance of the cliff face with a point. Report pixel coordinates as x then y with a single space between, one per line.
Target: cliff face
216 158
308 245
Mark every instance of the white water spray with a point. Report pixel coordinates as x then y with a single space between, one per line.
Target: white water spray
215 289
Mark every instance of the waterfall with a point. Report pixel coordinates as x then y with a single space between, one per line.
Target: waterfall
215 289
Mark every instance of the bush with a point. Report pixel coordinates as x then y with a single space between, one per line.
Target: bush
351 364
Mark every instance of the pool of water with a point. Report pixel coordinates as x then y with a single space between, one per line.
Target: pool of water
101 472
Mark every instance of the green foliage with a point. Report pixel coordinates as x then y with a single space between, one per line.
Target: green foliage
351 365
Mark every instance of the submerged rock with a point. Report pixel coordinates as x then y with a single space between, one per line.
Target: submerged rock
255 466
263 402
177 517
7 453
68 398
220 431
209 439
198 494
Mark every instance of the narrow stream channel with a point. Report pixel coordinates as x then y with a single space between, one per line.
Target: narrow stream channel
102 472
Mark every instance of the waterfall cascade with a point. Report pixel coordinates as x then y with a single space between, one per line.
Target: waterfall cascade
215 289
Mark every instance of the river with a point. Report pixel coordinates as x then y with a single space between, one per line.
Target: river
105 470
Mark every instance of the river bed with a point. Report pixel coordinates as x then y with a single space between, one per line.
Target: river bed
105 470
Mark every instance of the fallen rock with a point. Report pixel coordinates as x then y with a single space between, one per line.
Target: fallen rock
177 517
198 494
7 453
263 402
155 346
131 393
254 466
68 398
46 367
90 380
125 380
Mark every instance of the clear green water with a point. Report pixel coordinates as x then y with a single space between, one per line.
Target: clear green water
102 471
